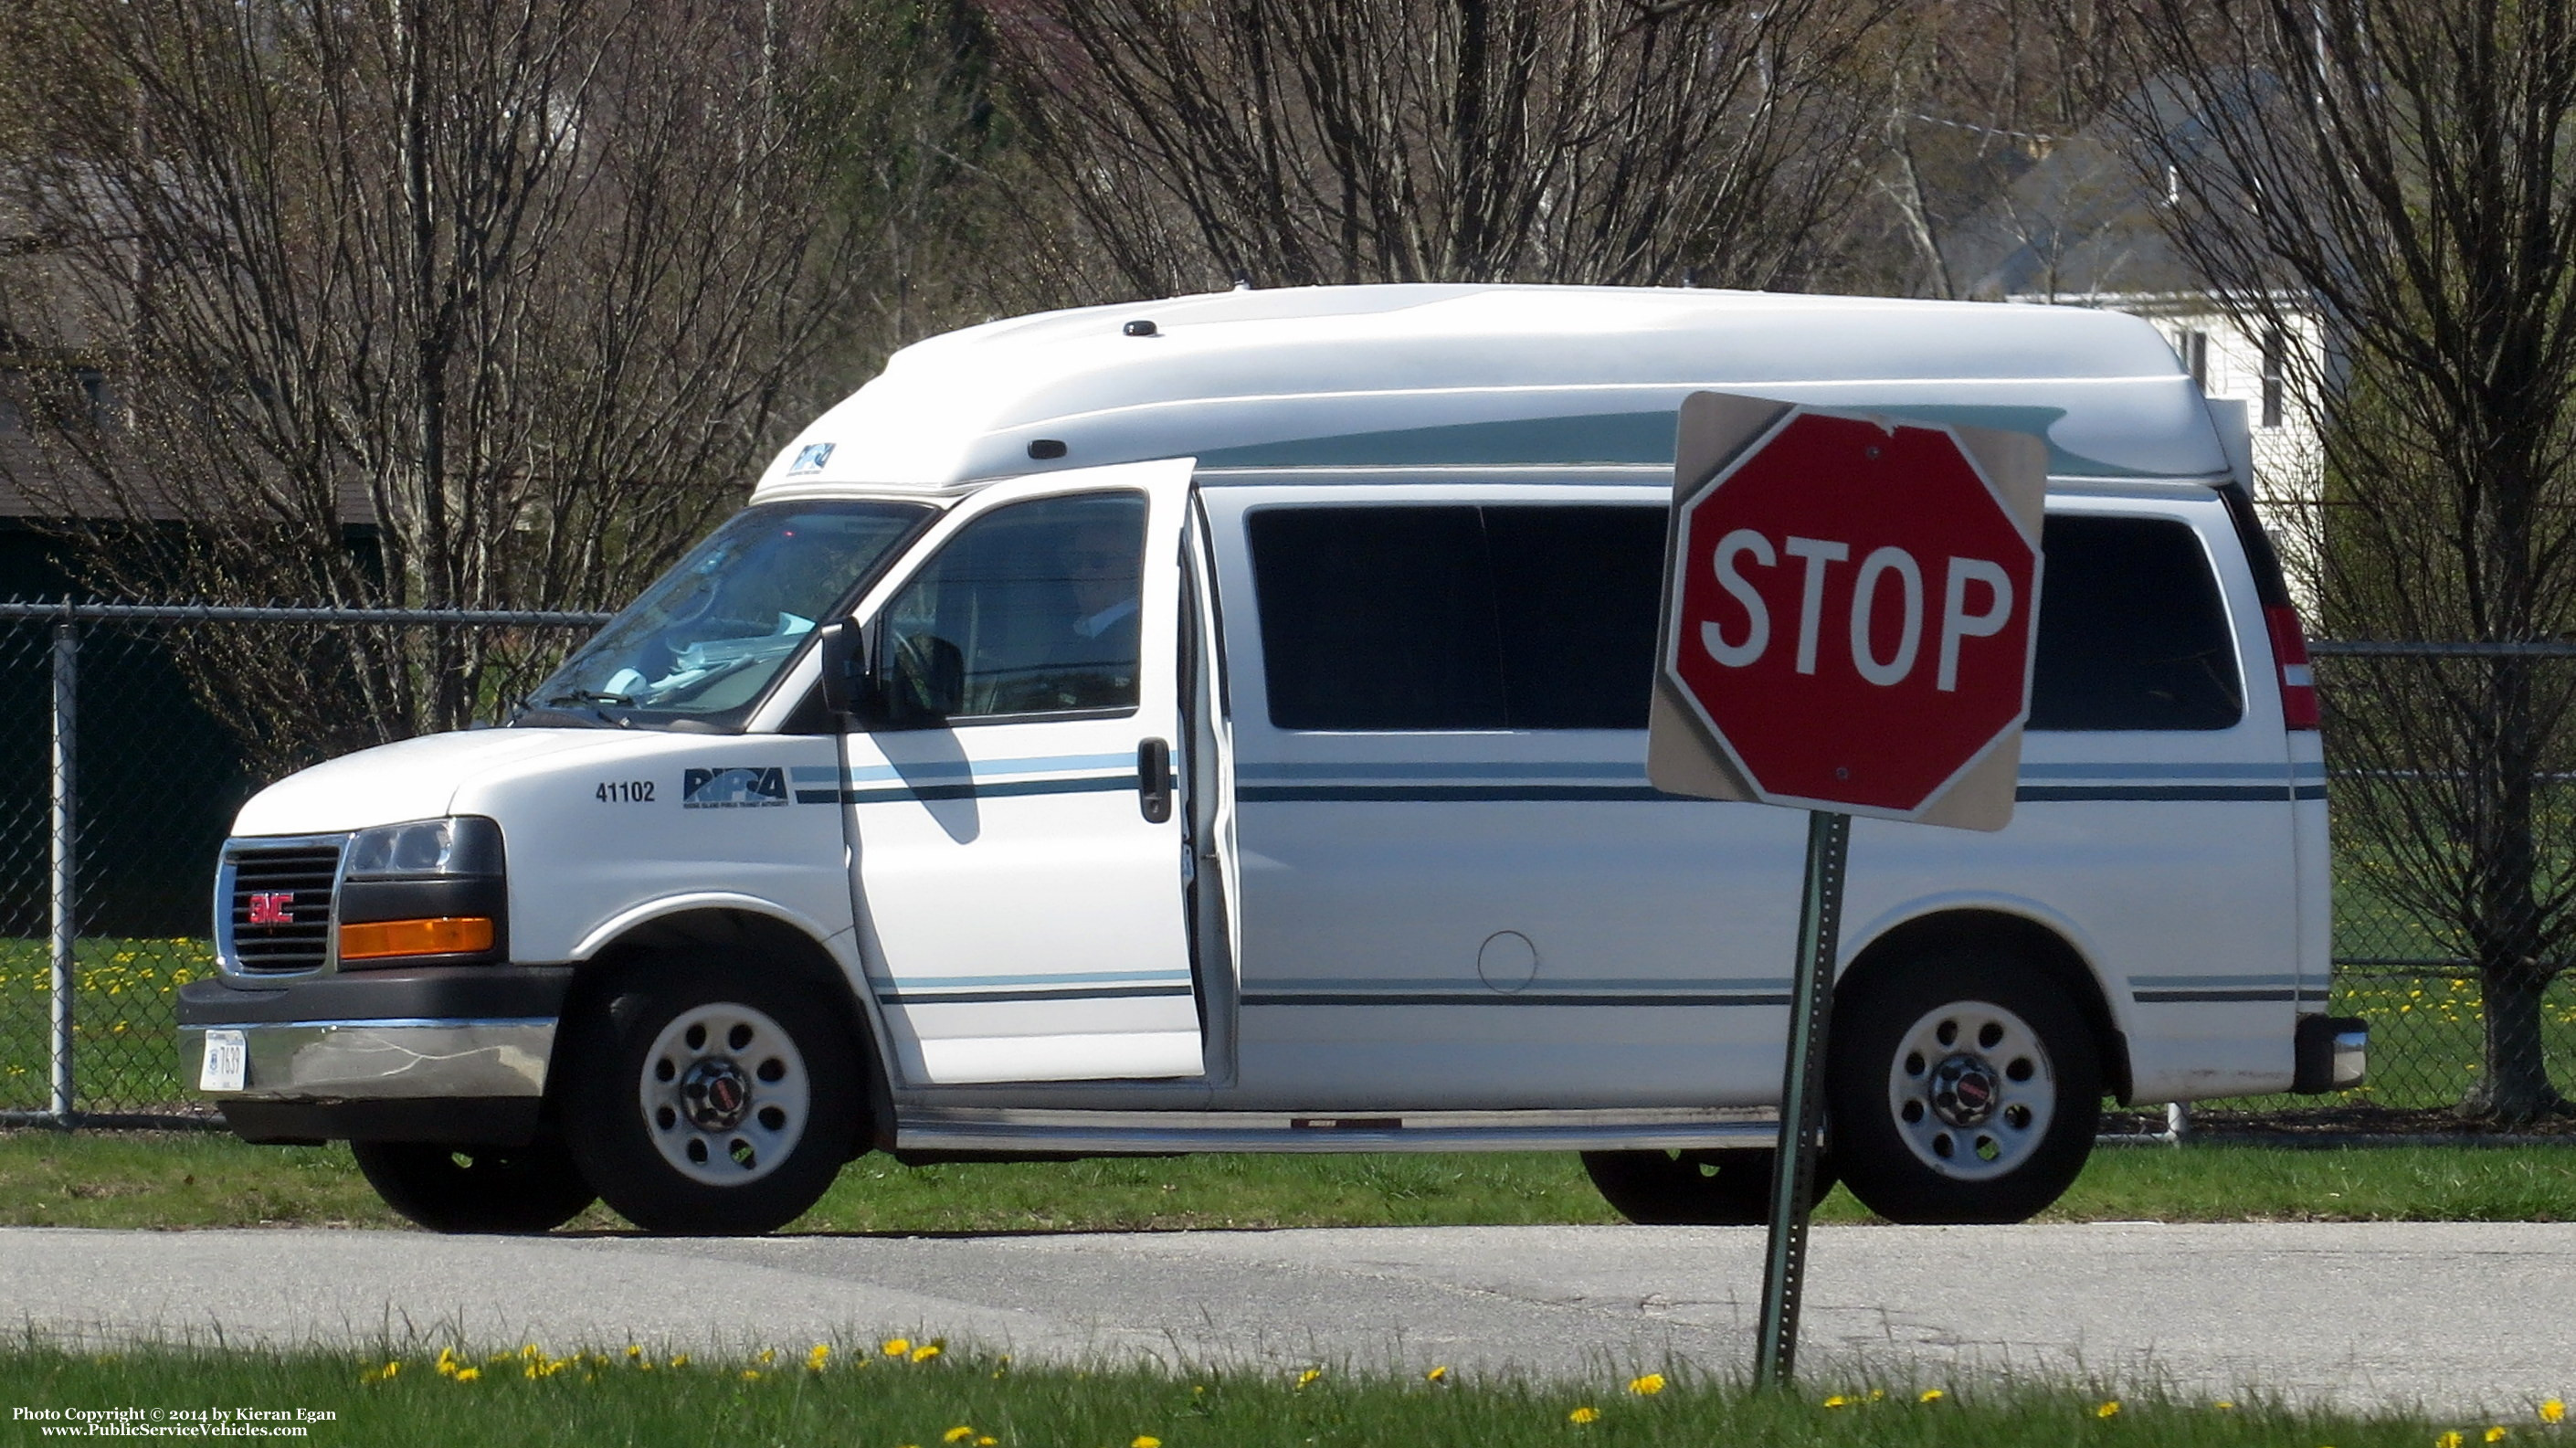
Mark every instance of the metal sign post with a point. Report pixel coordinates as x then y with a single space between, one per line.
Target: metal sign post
1802 1096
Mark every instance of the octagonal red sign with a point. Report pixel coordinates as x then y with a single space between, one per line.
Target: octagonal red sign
1853 612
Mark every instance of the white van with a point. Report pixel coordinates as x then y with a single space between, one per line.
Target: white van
1217 724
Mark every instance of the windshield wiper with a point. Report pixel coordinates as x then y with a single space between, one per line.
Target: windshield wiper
589 696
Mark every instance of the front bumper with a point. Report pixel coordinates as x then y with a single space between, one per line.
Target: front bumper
440 1054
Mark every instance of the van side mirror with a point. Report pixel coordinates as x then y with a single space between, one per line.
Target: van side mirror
843 648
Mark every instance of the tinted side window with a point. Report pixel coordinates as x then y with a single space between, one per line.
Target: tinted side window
2131 631
1458 617
1376 618
1577 591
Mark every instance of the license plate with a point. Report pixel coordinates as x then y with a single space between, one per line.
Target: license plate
227 1063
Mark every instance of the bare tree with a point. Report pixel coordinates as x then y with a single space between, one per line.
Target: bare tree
522 289
1990 154
1291 142
2408 169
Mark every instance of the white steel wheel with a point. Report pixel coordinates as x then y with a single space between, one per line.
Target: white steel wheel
1971 1090
1961 1085
725 1094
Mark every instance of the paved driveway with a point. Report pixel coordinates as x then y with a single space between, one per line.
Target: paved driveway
2456 1317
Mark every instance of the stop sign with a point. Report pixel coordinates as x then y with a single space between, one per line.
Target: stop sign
1852 611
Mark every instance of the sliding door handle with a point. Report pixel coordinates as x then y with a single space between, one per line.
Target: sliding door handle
1154 780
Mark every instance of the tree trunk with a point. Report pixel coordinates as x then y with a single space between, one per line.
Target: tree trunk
2514 1087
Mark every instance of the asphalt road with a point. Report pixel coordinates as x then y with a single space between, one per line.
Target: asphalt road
2453 1317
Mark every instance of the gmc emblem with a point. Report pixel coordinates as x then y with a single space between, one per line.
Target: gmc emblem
272 907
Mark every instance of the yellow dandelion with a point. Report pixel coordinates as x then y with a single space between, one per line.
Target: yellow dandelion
1647 1385
1308 1377
2553 1411
768 1355
2451 1439
680 1361
2225 1405
1145 1440
634 1351
1837 1401
986 1440
1931 1395
958 1434
530 1350
1439 1374
467 1375
378 1375
895 1346
1585 1414
2497 1434
817 1355
926 1352
2110 1409
1877 1395
751 1375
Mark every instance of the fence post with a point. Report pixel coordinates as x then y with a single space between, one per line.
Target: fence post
65 882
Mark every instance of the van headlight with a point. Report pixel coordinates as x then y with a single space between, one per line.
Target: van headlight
425 892
460 845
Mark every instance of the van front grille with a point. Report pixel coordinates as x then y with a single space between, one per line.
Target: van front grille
278 912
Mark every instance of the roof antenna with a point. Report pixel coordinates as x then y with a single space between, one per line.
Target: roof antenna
1243 281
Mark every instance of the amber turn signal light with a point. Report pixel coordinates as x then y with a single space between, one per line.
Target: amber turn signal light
446 935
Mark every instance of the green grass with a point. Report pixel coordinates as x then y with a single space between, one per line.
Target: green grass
133 1179
125 1044
863 1397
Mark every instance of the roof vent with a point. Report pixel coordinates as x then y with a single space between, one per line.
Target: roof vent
1139 328
1046 449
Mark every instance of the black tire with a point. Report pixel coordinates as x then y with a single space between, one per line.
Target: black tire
1729 1188
1961 1088
731 1131
501 1189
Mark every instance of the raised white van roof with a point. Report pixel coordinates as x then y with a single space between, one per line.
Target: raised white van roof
1381 376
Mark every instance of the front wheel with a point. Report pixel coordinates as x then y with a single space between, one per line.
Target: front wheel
502 1189
1962 1088
711 1104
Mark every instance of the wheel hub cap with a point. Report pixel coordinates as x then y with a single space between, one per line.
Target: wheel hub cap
715 1094
1971 1090
1965 1089
723 1094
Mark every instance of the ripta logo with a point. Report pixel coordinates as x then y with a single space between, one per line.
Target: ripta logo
742 787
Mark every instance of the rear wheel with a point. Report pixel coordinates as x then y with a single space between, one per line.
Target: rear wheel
1729 1188
1963 1088
708 1103
504 1189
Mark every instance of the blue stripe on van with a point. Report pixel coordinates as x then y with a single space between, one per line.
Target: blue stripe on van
971 789
1005 997
1514 998
1751 991
1535 793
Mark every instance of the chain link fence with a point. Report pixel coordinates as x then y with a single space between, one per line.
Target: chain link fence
129 737
2452 783
123 759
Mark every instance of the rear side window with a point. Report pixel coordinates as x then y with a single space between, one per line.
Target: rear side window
1458 616
1544 617
2131 631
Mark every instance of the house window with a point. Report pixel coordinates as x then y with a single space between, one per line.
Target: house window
2195 358
2276 357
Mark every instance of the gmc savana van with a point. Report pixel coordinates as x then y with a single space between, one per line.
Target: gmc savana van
1218 724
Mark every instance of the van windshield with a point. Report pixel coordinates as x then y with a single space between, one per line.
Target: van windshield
701 646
